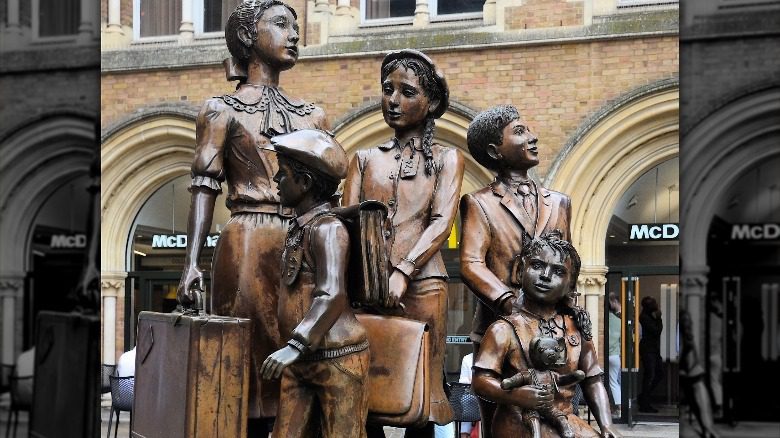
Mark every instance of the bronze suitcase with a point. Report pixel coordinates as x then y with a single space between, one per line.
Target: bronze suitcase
66 387
191 376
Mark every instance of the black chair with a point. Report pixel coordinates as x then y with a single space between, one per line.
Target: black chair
5 377
122 391
465 407
21 399
579 400
105 383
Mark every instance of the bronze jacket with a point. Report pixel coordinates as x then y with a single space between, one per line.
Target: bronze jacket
421 208
493 221
314 311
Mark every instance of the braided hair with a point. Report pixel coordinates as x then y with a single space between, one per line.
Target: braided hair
433 91
246 15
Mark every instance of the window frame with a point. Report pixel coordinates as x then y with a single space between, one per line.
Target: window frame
433 7
35 24
137 28
433 10
640 3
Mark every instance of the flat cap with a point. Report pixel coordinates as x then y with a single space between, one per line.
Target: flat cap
315 149
437 74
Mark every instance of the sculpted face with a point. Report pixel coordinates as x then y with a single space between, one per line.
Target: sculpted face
291 190
277 38
546 278
518 149
404 103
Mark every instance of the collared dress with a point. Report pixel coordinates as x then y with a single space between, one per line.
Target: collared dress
231 129
421 211
501 353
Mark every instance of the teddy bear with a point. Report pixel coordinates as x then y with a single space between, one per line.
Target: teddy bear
546 354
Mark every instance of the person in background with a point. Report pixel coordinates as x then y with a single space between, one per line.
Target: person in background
467 429
125 367
650 351
614 351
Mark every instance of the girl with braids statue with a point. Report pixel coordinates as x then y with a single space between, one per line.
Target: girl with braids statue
419 181
550 267
262 37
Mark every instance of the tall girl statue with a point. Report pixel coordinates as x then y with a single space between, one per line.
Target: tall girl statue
419 181
262 37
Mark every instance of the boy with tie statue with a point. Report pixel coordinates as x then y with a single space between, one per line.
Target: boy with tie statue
496 218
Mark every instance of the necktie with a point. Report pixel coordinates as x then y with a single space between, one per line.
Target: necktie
524 190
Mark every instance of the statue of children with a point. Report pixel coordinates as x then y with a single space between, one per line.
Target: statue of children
324 366
550 268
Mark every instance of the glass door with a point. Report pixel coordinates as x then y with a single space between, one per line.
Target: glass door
648 370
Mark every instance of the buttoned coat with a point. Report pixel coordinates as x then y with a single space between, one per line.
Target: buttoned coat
493 221
421 208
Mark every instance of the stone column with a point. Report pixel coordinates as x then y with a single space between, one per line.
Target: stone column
13 30
489 12
86 25
694 293
112 288
422 15
11 292
343 8
114 17
322 6
591 285
187 29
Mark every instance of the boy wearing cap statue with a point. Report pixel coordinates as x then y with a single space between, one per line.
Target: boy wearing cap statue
497 219
324 366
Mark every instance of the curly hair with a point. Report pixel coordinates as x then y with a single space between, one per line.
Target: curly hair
246 15
566 251
433 91
488 128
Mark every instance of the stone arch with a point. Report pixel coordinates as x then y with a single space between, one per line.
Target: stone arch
138 157
610 151
365 127
720 148
36 159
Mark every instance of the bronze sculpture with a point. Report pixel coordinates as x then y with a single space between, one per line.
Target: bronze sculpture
324 366
547 354
550 268
419 181
262 37
496 219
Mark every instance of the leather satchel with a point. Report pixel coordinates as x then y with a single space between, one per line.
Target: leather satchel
399 373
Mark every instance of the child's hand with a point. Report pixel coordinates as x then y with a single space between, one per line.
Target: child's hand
398 284
531 397
276 363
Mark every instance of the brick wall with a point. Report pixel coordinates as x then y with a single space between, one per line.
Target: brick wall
555 86
544 13
28 95
749 62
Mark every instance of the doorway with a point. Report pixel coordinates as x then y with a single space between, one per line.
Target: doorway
632 284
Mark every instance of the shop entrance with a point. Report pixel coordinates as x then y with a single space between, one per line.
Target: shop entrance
632 284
